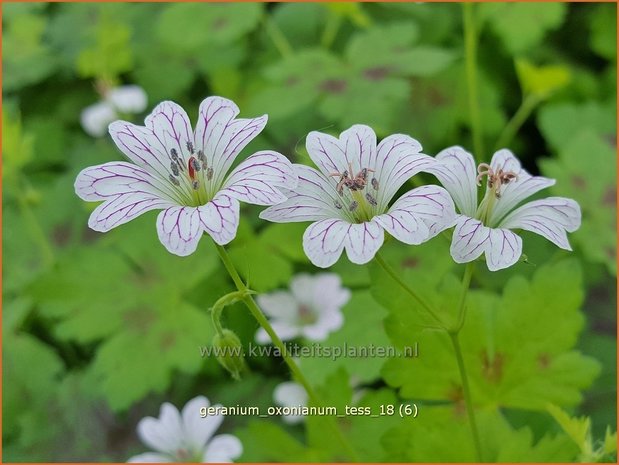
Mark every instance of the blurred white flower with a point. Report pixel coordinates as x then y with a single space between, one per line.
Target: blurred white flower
96 118
290 394
312 308
186 437
486 228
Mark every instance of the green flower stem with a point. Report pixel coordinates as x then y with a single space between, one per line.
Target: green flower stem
331 28
278 38
524 111
394 275
467 394
250 303
470 56
466 282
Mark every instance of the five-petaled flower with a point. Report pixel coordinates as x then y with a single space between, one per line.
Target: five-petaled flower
185 173
311 309
186 436
486 228
348 199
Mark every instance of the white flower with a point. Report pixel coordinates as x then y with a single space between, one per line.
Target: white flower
486 228
186 436
311 309
95 118
349 197
290 394
185 174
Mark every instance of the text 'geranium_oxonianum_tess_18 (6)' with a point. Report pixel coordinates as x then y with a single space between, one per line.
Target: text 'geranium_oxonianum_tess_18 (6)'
348 197
186 173
486 228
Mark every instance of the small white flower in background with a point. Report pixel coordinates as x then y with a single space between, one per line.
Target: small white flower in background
348 199
290 394
312 308
485 229
185 174
186 436
95 118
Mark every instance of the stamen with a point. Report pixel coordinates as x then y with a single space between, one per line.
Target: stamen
353 206
174 181
195 164
209 173
201 156
375 184
190 147
174 168
174 154
337 204
195 184
370 199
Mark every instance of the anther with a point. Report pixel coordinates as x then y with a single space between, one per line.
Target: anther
174 154
201 156
195 164
195 184
370 199
375 184
174 181
337 204
209 173
353 206
190 147
174 168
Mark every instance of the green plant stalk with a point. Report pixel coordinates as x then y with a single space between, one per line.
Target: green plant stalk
470 56
330 31
467 394
250 303
515 123
394 275
278 38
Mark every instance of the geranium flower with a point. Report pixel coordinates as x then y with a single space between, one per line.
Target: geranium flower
312 308
186 436
486 229
290 394
348 199
185 174
95 118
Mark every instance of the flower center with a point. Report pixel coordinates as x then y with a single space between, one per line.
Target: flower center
306 315
192 178
496 179
357 196
185 456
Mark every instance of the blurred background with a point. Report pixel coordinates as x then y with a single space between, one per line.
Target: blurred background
99 330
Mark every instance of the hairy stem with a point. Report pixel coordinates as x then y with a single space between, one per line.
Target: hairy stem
470 56
262 320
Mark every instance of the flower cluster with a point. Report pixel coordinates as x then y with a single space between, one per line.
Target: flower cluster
349 199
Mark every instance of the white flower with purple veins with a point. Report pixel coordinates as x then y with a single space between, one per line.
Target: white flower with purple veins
95 118
486 229
290 394
186 174
348 198
186 437
311 309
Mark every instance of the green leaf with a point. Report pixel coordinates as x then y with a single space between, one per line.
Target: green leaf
353 335
578 429
542 81
259 438
522 26
603 27
518 347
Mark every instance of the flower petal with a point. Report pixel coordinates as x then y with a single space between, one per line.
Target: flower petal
150 457
290 394
363 240
503 249
224 448
128 99
457 172
469 239
123 208
419 215
96 117
220 218
256 179
311 200
180 229
323 241
285 330
551 218
171 127
163 434
398 160
356 148
222 137
198 430
101 182
329 320
278 305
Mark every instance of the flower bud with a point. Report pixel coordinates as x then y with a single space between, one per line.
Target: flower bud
229 352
